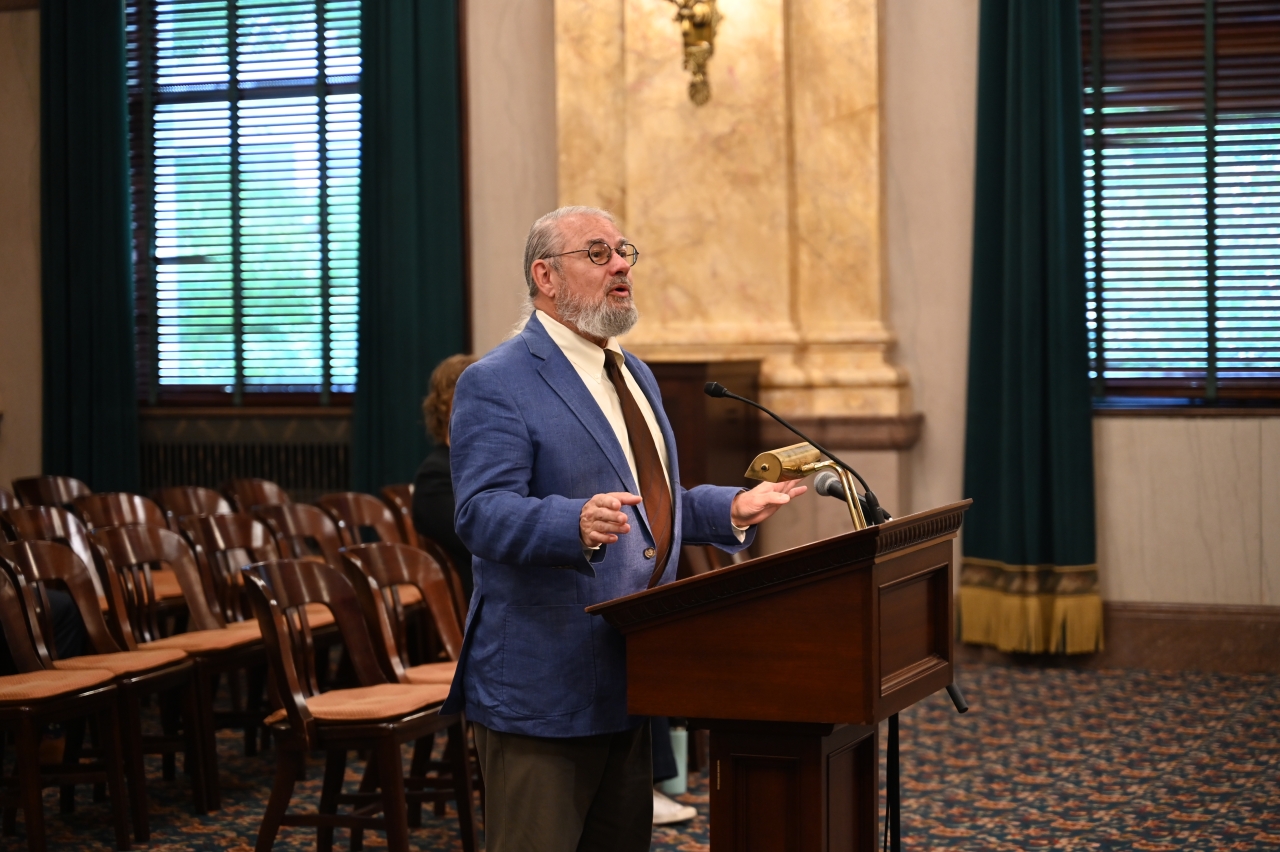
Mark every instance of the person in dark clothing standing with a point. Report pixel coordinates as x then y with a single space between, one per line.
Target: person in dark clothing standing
433 486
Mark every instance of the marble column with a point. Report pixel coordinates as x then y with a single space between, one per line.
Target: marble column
758 215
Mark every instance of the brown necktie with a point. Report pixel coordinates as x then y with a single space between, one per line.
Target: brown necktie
653 480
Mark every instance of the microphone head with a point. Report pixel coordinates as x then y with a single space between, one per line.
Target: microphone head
827 484
715 389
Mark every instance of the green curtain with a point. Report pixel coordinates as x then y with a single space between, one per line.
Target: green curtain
412 287
90 410
1029 579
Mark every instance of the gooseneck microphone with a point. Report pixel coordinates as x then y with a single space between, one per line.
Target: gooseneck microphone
874 514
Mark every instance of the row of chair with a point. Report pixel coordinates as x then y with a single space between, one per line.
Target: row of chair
206 560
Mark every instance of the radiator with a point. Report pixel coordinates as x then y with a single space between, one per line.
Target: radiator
305 457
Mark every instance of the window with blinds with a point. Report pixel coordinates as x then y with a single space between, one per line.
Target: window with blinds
1182 176
245 141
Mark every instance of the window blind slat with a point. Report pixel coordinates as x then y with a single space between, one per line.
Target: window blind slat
294 111
1182 204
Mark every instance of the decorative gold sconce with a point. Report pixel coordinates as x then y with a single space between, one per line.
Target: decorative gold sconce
698 20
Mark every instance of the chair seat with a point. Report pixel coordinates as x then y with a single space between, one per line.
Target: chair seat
373 703
166 584
432 673
409 595
197 641
123 662
30 686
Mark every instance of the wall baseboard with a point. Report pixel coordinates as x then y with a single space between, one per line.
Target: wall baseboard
1186 637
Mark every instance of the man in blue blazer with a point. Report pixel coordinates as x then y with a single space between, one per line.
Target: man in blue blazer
568 494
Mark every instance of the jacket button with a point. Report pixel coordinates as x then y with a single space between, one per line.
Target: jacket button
649 552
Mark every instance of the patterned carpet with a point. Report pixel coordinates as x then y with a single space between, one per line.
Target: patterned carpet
1054 759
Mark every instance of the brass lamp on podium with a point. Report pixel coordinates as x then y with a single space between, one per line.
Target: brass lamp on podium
800 460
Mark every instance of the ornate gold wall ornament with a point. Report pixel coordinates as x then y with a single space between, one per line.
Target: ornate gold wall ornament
698 20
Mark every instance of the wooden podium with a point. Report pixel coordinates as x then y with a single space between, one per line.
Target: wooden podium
791 661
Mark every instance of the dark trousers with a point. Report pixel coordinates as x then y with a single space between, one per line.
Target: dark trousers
664 756
576 794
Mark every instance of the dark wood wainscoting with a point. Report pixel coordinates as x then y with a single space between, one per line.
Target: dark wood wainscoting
1158 636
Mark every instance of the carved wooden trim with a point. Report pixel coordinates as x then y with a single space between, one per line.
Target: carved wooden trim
750 578
739 580
911 530
896 680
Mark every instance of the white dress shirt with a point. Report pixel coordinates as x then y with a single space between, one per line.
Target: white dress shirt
588 360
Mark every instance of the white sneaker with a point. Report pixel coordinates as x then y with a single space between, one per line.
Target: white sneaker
666 811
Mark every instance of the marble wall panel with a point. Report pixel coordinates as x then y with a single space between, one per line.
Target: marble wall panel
20 353
1269 510
707 186
1178 509
512 156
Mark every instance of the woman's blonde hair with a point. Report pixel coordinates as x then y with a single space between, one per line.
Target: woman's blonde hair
439 400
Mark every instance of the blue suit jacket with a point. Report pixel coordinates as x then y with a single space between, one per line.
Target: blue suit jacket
529 447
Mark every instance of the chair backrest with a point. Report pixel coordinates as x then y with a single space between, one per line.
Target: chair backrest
445 561
279 592
247 493
7 500
223 545
45 563
180 501
354 513
131 552
27 646
302 531
49 490
52 523
399 499
113 509
376 570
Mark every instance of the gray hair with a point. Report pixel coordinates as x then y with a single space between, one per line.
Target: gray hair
545 239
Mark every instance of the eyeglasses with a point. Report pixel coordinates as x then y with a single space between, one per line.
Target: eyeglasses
599 251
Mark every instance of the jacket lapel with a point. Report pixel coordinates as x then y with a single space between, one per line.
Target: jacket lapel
565 381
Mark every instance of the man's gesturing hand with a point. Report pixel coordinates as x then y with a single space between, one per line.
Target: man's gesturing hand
752 507
602 519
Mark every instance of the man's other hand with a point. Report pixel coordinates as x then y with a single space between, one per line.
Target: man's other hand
602 519
752 507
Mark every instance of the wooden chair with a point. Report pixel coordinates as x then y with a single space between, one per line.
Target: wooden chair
114 508
399 499
381 573
130 553
7 500
166 673
358 516
456 591
302 531
182 500
378 715
223 545
35 697
53 523
49 490
244 494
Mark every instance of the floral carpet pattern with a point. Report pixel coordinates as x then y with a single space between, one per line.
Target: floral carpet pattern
1045 759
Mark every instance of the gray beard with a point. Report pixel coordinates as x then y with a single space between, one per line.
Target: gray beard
597 319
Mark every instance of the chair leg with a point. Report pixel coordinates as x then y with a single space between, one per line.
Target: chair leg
391 779
170 712
368 783
192 756
135 771
287 759
460 757
28 766
335 767
418 767
74 732
207 686
109 743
